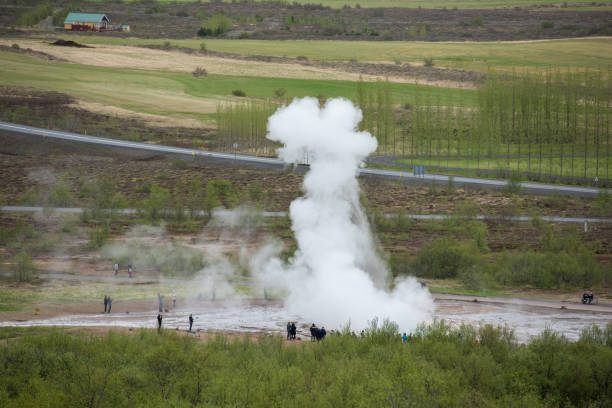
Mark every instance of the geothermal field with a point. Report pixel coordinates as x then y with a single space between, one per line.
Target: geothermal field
336 277
271 203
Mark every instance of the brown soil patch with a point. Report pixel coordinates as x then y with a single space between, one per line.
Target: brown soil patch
70 43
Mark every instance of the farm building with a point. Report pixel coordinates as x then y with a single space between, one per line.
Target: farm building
88 22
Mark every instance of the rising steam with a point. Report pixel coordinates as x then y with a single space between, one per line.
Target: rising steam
336 275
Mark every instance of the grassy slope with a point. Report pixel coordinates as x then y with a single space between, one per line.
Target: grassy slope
171 93
438 4
580 54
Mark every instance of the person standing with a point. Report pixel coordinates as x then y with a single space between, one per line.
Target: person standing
105 303
173 300
190 322
159 322
288 330
293 331
110 303
116 268
160 300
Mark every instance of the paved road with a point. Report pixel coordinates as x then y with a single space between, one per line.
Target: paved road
536 188
76 210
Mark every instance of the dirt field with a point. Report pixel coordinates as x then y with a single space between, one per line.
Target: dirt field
271 21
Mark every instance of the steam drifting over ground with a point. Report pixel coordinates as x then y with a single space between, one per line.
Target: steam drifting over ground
336 275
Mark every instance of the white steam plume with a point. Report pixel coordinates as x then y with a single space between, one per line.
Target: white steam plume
336 275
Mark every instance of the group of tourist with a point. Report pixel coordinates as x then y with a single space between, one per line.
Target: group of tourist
130 270
317 334
160 318
291 330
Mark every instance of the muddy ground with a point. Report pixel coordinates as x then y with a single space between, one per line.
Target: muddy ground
274 21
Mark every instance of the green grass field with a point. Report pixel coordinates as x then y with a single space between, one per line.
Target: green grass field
572 167
441 4
575 54
180 94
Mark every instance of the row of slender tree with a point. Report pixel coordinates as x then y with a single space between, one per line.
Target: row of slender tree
545 124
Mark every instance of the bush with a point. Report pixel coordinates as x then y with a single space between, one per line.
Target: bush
238 92
198 72
547 24
35 15
438 366
280 92
98 236
216 25
23 268
549 269
428 62
15 46
60 195
513 186
446 258
203 47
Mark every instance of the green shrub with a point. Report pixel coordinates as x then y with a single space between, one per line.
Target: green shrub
60 195
549 269
198 72
438 366
157 202
15 46
428 62
547 24
36 15
280 92
98 236
23 268
238 92
445 258
513 185
216 25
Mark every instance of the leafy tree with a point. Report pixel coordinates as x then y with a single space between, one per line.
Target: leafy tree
23 268
212 198
157 202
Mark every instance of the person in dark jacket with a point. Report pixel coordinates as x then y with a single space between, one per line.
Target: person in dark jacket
110 303
293 331
190 322
105 303
322 333
159 321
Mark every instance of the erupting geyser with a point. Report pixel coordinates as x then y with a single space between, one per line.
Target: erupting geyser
336 275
